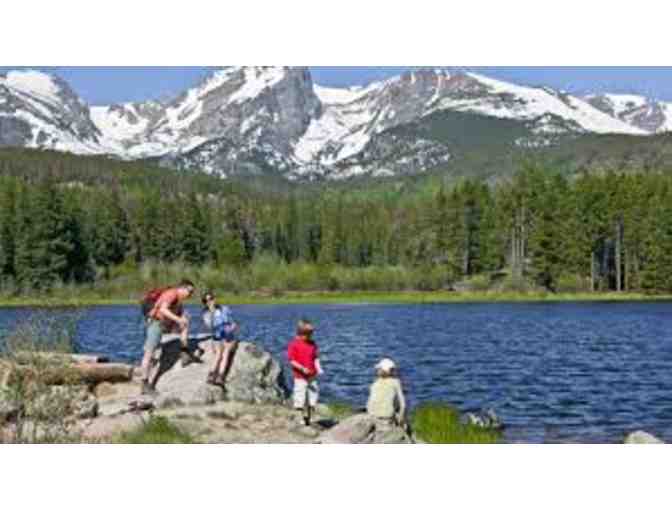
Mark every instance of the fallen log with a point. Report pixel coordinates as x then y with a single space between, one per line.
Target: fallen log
58 357
75 373
105 372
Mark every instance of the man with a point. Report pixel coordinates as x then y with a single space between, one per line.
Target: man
167 315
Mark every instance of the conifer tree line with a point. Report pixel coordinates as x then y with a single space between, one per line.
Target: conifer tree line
69 219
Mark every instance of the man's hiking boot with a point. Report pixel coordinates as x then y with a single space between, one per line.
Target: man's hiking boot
219 381
148 389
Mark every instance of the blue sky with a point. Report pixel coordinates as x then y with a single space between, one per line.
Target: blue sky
104 85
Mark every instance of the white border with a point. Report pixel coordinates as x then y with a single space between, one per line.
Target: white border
343 32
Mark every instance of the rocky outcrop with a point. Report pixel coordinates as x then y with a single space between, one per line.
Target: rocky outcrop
254 377
485 419
364 429
641 437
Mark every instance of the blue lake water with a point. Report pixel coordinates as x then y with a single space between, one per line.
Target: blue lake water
577 372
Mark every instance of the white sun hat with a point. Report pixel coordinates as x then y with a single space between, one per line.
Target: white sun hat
386 364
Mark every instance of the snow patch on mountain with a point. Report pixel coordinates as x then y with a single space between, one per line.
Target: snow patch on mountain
119 123
529 102
37 84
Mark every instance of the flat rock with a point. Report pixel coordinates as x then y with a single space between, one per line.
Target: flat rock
363 428
105 427
106 390
356 429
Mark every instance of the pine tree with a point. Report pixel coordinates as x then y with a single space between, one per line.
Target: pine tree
44 241
7 227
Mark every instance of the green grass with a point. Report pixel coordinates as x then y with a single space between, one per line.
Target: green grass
341 410
349 297
440 424
157 430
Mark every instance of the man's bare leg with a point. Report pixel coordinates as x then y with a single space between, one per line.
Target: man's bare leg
146 364
184 344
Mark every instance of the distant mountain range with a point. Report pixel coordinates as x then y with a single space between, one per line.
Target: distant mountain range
275 120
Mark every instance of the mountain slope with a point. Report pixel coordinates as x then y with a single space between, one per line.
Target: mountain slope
276 121
40 110
648 115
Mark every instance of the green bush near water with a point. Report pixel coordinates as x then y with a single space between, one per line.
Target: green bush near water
440 424
341 410
157 430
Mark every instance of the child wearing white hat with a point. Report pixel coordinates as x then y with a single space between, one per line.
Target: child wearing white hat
386 397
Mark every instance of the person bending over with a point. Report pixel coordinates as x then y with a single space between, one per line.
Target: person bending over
167 315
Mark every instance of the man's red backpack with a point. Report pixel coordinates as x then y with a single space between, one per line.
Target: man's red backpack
149 300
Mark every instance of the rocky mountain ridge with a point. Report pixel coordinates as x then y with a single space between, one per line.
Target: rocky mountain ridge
256 120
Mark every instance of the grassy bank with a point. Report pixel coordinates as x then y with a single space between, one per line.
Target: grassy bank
87 298
440 424
157 430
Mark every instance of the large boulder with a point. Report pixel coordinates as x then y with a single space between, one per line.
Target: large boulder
641 437
105 427
254 377
364 428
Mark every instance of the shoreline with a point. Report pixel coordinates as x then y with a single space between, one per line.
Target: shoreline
354 298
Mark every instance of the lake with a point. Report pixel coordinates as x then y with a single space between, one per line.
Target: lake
566 372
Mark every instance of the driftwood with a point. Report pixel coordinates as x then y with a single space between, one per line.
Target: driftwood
105 372
74 373
57 357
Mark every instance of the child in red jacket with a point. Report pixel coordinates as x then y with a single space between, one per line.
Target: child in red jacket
304 358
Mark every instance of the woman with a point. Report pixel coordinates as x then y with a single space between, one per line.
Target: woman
219 320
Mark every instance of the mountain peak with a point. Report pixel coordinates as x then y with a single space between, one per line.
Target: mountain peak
45 86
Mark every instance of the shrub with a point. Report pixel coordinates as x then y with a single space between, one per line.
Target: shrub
156 430
440 424
341 410
41 411
572 283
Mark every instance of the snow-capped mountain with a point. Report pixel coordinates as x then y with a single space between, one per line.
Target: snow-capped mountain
41 110
243 120
646 114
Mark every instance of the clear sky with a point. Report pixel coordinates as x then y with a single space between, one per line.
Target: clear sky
104 85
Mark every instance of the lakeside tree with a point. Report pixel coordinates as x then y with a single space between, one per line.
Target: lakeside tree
68 219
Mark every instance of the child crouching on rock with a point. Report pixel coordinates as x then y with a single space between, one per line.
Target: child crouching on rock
303 356
386 397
